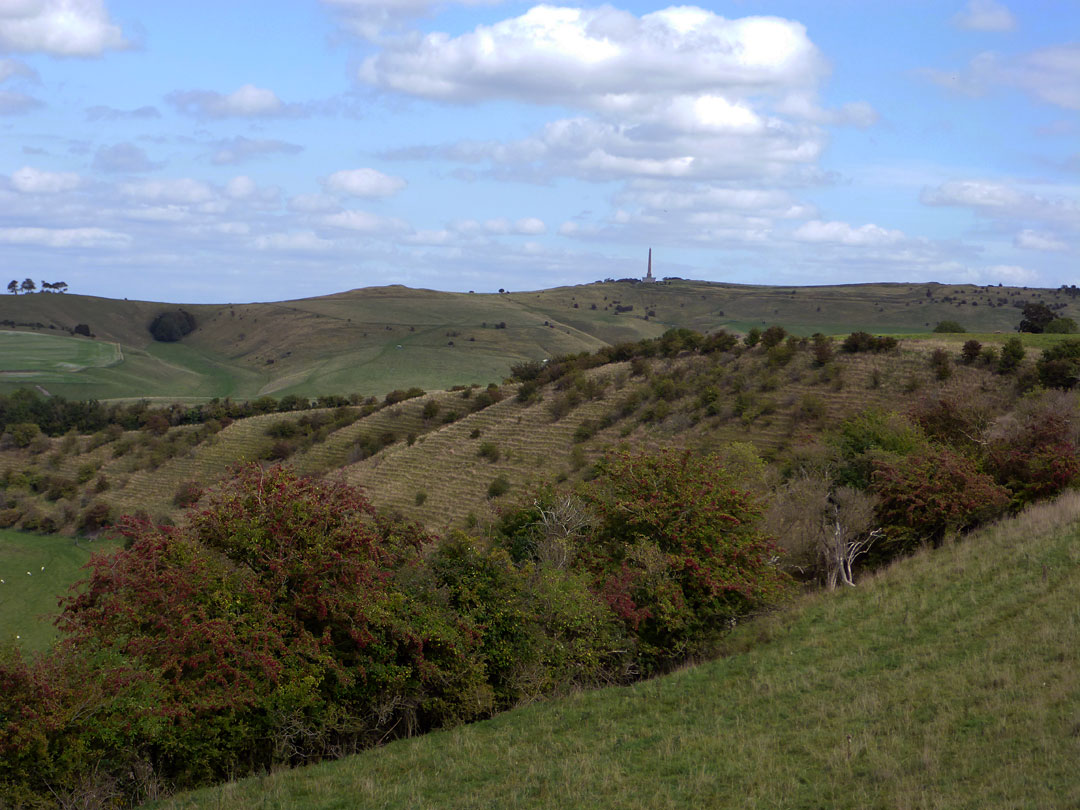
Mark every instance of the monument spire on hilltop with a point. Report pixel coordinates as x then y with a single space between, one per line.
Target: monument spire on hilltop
649 276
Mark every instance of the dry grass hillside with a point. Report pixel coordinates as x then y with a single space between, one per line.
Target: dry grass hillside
434 458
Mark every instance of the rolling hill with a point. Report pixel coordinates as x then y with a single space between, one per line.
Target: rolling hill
377 339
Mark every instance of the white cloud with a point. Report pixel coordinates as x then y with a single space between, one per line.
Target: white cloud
985 15
103 113
34 181
1010 274
302 241
58 27
123 157
1005 201
363 183
184 191
1035 240
677 93
12 103
159 213
240 187
615 58
842 233
314 203
64 237
364 222
369 18
530 225
1050 75
13 67
240 149
248 101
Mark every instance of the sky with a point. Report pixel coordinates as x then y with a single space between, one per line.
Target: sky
262 150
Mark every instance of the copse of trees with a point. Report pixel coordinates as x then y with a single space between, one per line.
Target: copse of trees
169 327
28 286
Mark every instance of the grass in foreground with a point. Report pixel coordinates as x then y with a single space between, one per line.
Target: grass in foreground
36 570
950 680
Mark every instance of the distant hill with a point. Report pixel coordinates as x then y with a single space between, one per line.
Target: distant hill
377 339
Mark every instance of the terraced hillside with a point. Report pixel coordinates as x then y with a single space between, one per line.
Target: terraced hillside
377 339
434 457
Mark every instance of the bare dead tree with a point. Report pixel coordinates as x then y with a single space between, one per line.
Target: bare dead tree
824 530
847 535
560 524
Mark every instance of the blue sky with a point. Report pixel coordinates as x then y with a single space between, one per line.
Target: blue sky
246 150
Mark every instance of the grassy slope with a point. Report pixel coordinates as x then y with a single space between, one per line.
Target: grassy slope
35 570
349 342
951 680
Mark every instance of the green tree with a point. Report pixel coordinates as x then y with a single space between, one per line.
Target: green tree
28 285
13 287
1061 326
1036 318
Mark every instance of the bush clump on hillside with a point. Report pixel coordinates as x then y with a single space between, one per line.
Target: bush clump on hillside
949 327
865 342
169 327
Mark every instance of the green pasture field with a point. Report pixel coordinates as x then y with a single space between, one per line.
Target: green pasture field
36 570
1029 341
43 357
951 680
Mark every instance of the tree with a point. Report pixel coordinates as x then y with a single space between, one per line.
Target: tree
28 285
970 352
1012 355
13 287
1061 326
1036 318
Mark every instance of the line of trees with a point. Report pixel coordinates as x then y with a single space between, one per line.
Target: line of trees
28 286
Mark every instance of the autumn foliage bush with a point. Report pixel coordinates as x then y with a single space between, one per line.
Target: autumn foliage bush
931 492
676 551
285 621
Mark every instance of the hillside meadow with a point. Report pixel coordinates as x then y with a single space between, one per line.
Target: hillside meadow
948 680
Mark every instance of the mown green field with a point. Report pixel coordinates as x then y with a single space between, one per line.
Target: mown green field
950 680
36 570
44 357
